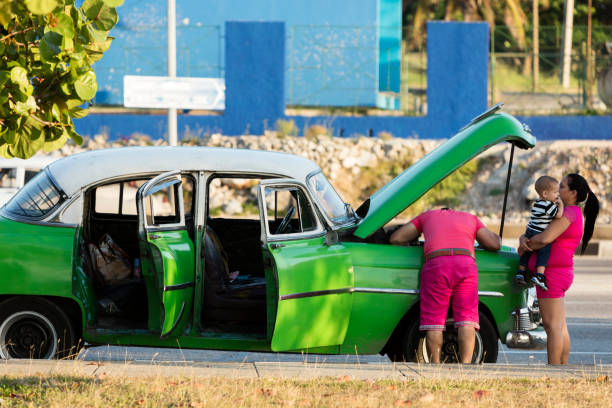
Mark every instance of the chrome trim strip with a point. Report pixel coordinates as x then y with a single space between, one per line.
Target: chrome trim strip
296 236
387 290
178 286
371 290
316 293
490 293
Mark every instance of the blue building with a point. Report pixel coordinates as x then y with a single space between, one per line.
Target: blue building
338 53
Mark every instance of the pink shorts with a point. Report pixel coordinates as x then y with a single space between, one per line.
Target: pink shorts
445 278
558 281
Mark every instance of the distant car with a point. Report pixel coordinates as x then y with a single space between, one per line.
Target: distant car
304 273
14 173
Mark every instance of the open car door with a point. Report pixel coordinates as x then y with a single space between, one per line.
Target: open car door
167 253
309 276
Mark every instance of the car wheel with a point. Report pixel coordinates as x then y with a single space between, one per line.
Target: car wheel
485 347
34 328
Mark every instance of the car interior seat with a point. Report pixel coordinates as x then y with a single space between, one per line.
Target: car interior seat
227 299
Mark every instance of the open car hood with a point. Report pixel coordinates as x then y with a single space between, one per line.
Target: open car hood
484 131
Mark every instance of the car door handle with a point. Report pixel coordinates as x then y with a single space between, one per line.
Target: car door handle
276 246
153 236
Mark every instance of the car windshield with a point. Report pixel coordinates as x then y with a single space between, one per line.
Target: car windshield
35 199
330 202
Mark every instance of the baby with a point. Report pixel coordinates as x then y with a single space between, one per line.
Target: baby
547 207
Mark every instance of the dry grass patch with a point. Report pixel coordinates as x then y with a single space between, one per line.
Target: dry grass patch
66 391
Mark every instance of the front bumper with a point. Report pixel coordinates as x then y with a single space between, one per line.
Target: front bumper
528 332
526 339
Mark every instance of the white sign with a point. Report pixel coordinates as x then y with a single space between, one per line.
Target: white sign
178 93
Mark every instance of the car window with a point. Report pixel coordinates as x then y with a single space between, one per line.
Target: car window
36 199
291 206
29 175
120 198
161 207
8 177
330 201
233 197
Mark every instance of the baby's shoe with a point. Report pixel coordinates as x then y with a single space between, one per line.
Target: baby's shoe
519 279
540 280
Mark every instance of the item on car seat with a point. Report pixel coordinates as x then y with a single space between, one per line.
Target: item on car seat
110 261
137 268
108 306
233 276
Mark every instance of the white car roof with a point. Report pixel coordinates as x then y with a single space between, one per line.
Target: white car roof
83 169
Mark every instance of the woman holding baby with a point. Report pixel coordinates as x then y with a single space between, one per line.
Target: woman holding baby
565 234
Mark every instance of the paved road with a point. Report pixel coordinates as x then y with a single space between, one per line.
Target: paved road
589 317
589 312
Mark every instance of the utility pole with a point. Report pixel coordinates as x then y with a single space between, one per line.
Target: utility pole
172 137
536 45
566 59
589 62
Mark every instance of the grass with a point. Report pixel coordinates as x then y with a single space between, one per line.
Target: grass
80 391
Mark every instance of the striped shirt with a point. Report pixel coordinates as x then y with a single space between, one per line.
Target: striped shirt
542 213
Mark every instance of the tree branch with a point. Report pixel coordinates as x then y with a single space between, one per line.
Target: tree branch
44 122
25 30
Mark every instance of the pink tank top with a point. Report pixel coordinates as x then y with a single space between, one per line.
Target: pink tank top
447 229
563 248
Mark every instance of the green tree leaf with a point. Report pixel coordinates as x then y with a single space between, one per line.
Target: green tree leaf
95 35
75 136
50 46
4 151
44 85
65 26
52 145
73 103
24 146
77 113
104 16
5 13
41 6
55 112
113 3
19 76
96 50
9 136
86 86
4 77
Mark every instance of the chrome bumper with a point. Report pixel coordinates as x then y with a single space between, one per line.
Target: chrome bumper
527 332
526 339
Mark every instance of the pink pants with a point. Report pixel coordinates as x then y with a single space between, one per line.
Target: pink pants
447 278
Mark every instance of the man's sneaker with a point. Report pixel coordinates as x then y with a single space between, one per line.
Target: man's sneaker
540 280
519 279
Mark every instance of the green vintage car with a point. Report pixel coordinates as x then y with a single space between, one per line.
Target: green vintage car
306 273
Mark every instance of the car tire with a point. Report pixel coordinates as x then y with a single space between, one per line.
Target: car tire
35 328
485 348
410 343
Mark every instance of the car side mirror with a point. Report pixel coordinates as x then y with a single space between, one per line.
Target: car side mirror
331 238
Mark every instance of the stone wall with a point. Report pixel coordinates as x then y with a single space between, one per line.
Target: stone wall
357 167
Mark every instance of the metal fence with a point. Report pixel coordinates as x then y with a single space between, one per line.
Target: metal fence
530 83
336 63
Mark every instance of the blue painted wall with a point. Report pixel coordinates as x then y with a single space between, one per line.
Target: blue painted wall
457 85
255 86
336 55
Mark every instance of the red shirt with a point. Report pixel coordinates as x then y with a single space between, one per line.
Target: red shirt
447 229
